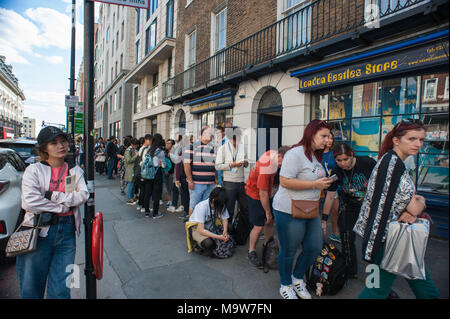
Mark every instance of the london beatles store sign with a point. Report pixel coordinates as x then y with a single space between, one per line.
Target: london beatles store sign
399 62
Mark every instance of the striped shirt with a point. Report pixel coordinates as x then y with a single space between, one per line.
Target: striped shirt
202 159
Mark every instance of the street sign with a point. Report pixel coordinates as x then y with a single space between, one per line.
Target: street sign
78 121
71 101
143 4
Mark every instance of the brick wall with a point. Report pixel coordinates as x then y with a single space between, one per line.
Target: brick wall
243 19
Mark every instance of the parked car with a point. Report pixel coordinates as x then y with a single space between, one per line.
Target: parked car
11 213
24 147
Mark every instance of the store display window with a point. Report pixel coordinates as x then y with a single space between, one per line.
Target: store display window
363 114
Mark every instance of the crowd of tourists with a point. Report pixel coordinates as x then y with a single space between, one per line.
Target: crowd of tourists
205 182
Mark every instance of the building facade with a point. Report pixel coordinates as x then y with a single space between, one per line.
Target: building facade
29 127
363 65
114 56
154 44
11 99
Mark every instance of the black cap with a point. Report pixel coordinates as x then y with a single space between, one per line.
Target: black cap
49 133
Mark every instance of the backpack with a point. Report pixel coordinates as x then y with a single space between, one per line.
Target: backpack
148 171
241 228
168 167
270 254
329 269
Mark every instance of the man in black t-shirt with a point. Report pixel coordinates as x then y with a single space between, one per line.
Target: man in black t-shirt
353 174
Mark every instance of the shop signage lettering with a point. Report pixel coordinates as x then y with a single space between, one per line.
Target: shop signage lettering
418 58
220 103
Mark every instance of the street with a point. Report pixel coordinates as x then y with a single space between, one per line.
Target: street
147 259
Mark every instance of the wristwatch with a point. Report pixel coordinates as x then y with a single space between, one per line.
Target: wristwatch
325 217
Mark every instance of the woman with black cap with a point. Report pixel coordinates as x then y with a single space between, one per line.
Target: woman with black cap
52 193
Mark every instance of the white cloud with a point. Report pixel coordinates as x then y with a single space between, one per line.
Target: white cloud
41 28
45 105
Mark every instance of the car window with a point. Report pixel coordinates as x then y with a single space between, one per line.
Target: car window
12 159
20 163
3 160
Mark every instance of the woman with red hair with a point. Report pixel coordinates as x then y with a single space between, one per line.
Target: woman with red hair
391 196
302 177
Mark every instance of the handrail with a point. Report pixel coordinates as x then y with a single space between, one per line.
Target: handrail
313 23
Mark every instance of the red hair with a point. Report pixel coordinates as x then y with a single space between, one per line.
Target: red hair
400 129
310 131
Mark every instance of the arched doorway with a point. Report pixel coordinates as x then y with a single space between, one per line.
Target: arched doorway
270 121
180 122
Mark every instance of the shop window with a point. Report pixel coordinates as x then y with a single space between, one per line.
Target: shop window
435 93
340 103
366 134
320 107
437 136
341 130
366 99
224 118
399 96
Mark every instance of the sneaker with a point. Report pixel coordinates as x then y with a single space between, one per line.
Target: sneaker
130 202
335 238
159 215
183 216
287 292
147 215
142 210
171 209
161 202
300 288
168 204
138 207
179 209
253 259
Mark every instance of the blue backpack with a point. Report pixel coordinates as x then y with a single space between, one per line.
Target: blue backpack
148 171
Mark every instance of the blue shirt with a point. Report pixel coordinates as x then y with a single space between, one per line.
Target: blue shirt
328 162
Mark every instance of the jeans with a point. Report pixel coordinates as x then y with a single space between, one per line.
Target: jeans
235 192
130 190
200 193
111 164
184 194
292 233
48 264
175 194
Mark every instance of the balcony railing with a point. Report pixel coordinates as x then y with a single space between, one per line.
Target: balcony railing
318 21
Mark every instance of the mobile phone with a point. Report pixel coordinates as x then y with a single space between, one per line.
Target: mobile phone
333 177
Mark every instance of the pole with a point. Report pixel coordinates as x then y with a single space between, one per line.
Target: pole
71 115
89 207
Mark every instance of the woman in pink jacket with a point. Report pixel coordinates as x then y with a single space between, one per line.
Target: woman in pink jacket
53 191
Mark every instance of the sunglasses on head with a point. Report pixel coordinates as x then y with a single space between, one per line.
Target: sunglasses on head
408 122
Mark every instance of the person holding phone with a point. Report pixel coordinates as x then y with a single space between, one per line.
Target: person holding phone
352 174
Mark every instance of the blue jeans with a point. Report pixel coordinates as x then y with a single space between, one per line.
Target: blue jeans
111 164
130 190
48 263
200 193
292 233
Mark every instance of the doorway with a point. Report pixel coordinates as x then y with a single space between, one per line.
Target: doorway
270 122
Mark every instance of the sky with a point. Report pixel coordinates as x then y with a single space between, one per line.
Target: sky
35 38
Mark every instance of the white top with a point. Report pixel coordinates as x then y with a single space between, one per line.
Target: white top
202 214
297 165
226 155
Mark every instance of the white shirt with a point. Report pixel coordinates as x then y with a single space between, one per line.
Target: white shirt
202 214
226 155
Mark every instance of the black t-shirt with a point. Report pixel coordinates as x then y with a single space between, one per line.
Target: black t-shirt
354 182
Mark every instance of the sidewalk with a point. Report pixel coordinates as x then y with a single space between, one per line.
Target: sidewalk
148 259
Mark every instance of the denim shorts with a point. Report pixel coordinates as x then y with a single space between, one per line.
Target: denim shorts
256 212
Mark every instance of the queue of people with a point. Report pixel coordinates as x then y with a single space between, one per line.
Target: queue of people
205 183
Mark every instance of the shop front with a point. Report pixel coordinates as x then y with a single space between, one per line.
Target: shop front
214 110
363 101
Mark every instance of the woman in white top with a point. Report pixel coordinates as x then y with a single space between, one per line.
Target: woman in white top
302 177
51 204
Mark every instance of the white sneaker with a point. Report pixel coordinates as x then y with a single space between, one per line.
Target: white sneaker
179 209
300 288
171 209
142 210
287 292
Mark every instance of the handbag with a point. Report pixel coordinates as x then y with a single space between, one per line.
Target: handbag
304 209
22 242
404 250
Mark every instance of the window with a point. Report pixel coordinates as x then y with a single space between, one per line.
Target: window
169 19
138 21
119 101
107 35
121 62
191 48
189 76
117 40
152 8
150 37
137 100
169 68
220 30
123 30
115 102
291 3
446 88
430 89
112 48
137 51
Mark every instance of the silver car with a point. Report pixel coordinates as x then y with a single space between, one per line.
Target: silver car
11 171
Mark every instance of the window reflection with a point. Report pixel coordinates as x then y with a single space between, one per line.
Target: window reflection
399 96
366 134
341 103
366 100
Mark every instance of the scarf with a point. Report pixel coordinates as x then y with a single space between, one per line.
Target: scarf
376 208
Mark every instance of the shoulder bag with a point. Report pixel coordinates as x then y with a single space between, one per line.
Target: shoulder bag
304 209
